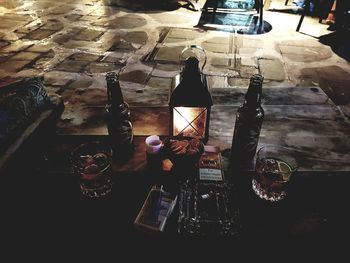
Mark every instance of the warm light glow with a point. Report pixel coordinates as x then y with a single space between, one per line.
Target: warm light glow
189 121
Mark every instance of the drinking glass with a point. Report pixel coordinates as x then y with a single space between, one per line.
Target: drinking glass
92 163
273 170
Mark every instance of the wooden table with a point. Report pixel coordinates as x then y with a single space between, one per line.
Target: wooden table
302 118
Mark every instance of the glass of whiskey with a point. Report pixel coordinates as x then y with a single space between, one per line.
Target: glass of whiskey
92 163
273 170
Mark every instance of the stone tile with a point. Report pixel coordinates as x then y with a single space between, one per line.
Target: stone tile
159 83
172 40
122 46
249 62
62 38
115 57
102 67
89 18
84 57
216 47
105 11
42 5
72 17
219 40
78 44
8 24
25 56
218 61
216 82
302 54
88 34
170 54
42 63
72 66
39 34
3 43
245 51
136 76
4 74
9 20
247 72
302 43
107 41
15 47
242 42
145 96
14 65
29 27
125 22
222 71
53 24
16 17
272 69
27 72
4 57
40 48
138 37
166 70
85 10
59 10
185 33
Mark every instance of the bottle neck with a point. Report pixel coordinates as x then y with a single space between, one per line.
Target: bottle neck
114 92
253 95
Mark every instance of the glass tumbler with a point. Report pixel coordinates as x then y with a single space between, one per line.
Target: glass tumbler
273 170
92 163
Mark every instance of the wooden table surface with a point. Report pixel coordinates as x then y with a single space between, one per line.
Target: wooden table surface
301 118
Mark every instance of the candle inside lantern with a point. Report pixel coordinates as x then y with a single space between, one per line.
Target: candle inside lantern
189 121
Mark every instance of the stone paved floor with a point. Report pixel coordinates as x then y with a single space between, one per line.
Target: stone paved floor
73 43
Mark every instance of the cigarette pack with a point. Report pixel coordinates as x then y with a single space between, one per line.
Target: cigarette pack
210 165
155 211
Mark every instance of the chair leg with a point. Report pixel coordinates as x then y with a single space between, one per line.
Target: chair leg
261 21
305 8
286 3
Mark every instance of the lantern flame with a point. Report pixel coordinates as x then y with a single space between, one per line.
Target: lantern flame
189 121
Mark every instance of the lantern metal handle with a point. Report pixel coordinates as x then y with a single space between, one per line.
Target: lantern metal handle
194 47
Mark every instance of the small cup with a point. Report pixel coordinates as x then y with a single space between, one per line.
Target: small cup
92 163
153 151
273 170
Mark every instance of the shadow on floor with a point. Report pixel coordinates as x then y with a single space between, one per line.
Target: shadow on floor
141 6
339 42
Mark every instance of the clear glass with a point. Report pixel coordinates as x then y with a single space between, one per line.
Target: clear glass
273 170
92 163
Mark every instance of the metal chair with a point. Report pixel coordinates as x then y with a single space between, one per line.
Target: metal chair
212 7
306 7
